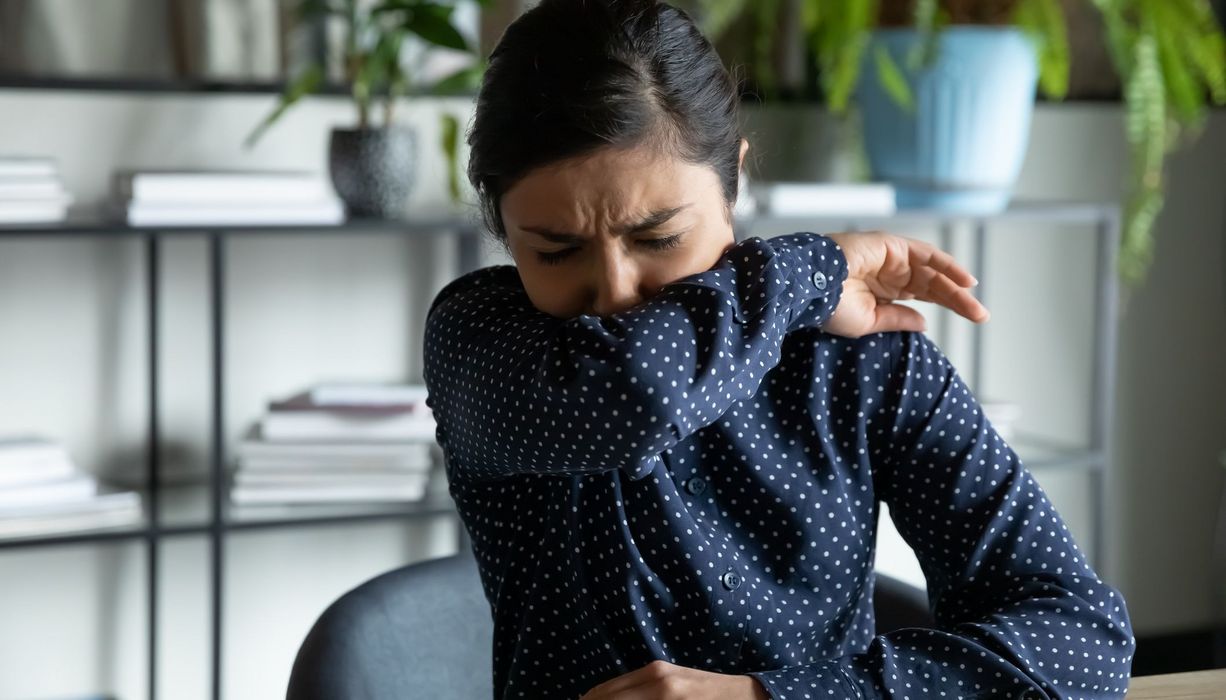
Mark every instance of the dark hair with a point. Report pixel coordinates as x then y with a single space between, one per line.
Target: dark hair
571 76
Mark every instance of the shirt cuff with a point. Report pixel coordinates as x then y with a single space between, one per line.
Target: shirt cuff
824 679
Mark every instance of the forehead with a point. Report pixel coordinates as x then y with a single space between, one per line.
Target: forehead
606 184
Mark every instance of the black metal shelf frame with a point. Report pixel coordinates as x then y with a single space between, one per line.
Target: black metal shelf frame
1103 219
218 525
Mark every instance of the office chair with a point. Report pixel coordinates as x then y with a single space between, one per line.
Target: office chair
424 631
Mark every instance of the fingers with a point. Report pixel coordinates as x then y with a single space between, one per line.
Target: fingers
897 317
930 284
898 268
615 687
925 254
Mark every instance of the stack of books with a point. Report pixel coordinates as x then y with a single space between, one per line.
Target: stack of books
338 443
225 198
42 491
31 191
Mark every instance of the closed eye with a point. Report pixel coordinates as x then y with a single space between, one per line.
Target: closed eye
557 256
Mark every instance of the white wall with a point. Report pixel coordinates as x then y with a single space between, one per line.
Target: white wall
306 307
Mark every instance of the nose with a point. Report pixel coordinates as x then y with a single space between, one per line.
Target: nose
616 286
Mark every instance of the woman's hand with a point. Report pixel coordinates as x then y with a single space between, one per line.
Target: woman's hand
883 268
660 680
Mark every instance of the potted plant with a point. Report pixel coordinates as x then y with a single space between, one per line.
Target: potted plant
372 165
946 87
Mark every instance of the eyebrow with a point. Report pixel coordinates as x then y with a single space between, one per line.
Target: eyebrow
652 220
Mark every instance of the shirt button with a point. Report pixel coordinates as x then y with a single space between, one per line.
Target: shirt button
731 580
819 279
696 486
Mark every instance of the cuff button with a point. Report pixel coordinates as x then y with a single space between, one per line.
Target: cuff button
819 279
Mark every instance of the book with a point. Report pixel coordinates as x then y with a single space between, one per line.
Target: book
24 211
68 489
35 188
321 212
825 198
331 493
395 465
29 458
387 405
343 394
375 453
188 187
27 166
333 426
106 509
345 478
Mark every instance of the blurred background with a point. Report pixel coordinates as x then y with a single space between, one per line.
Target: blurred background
221 222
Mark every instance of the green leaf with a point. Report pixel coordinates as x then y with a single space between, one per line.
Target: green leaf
1186 94
464 81
810 17
1043 22
1120 35
928 19
433 23
1204 46
305 83
839 39
925 14
766 17
718 15
1145 121
309 9
450 142
429 20
1137 245
892 80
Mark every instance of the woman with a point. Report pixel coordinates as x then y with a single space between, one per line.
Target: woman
669 447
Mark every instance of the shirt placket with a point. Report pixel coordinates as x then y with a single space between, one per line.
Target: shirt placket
724 573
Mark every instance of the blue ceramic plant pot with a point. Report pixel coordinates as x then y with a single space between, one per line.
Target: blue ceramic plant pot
962 146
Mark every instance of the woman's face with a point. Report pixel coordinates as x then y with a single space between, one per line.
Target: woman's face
602 233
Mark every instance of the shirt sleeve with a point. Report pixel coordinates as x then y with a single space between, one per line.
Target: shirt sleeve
515 390
1019 611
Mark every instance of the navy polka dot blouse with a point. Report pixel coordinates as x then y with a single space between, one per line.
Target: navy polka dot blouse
697 479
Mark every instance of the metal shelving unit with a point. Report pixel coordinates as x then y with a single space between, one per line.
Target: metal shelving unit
222 519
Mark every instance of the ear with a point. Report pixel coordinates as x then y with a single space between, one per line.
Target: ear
744 148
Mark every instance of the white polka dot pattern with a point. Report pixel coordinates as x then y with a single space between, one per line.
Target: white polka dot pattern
697 479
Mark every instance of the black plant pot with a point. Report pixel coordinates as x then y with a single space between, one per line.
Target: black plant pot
373 169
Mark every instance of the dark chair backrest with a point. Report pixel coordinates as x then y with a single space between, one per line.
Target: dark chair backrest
420 631
424 631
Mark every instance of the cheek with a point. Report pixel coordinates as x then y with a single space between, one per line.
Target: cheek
551 292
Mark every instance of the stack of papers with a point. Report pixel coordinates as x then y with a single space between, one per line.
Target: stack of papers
226 198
